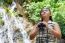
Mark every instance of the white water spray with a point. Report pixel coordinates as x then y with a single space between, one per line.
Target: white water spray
6 32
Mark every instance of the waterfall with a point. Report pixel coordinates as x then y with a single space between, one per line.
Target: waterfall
7 33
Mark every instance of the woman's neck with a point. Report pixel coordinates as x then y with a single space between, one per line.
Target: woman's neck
46 19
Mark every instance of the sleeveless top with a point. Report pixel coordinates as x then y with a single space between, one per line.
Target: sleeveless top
46 36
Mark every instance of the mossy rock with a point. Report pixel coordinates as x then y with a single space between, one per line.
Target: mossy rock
1 22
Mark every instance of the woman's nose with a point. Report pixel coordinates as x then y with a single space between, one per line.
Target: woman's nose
44 11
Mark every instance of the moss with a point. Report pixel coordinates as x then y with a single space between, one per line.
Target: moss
1 22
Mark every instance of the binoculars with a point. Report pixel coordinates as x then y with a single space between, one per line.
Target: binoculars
41 26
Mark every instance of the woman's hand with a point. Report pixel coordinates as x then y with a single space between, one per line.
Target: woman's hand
45 23
33 32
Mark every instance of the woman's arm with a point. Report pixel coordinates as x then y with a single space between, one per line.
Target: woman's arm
33 32
56 31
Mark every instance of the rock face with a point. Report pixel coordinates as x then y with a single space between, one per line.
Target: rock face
28 25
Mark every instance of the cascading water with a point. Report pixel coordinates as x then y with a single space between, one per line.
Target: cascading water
7 33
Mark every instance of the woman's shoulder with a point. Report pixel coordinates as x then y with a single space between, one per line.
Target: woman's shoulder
55 23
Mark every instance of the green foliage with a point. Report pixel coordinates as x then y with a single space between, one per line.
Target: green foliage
57 7
1 21
59 16
10 12
8 1
5 2
34 10
37 0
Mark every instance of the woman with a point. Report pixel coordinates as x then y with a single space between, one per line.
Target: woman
47 33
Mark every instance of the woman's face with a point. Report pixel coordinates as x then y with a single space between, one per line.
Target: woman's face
45 13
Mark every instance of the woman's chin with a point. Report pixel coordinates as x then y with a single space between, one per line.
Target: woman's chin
44 15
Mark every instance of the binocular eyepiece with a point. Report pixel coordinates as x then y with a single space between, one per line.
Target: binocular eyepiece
41 26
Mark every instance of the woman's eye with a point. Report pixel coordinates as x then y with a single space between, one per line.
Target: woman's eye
45 10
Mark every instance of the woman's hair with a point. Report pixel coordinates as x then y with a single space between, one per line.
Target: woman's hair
50 18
